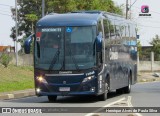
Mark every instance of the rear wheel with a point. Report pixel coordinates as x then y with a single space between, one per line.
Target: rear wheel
52 98
128 88
119 91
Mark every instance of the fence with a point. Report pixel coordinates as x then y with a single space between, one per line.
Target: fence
148 65
26 59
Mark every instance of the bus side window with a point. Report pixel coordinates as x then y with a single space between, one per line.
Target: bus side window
99 54
129 30
118 32
99 27
112 30
121 30
106 29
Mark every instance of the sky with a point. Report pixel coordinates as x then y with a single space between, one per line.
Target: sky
6 22
148 27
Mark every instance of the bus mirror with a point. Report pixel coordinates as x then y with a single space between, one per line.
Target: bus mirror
137 36
27 44
99 43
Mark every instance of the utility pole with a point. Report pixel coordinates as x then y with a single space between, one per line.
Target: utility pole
127 9
43 8
16 34
130 10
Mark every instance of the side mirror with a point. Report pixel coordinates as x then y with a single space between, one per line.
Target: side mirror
137 36
99 42
27 44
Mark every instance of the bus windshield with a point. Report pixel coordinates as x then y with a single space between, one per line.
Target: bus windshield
69 48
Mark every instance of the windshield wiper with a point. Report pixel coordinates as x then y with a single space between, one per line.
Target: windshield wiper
62 65
73 58
54 60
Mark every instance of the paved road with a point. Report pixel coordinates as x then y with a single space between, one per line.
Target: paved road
142 95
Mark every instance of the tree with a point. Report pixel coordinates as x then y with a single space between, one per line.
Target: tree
32 18
156 47
60 6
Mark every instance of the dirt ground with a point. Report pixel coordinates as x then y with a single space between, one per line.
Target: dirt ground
148 76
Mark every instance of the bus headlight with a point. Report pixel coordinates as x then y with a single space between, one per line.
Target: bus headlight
87 79
41 79
38 90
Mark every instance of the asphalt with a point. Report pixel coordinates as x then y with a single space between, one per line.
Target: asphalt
17 94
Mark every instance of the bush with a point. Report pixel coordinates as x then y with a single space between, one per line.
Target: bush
5 59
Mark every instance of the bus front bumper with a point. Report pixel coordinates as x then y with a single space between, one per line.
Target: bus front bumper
88 88
66 93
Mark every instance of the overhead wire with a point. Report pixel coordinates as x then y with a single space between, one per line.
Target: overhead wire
5 11
148 20
110 18
149 10
5 14
6 5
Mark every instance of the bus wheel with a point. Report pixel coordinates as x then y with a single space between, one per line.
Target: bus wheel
103 97
119 91
128 88
52 98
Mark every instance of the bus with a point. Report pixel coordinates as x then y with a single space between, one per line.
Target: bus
83 53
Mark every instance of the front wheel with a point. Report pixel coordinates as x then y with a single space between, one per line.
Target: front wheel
52 98
103 97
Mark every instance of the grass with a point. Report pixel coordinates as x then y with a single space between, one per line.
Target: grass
15 78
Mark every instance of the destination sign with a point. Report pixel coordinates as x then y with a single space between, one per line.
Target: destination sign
51 30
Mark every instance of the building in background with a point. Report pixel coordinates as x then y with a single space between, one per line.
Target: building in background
7 49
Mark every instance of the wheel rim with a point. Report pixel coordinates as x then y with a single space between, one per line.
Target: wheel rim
106 88
129 83
106 91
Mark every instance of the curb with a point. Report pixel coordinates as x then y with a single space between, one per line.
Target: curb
17 94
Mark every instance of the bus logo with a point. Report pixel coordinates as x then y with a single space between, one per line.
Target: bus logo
64 82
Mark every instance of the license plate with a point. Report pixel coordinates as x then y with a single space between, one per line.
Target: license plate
64 89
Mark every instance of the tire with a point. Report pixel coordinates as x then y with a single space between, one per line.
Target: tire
104 96
128 88
52 98
119 91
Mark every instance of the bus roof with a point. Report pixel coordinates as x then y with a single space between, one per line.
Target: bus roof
80 18
69 19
